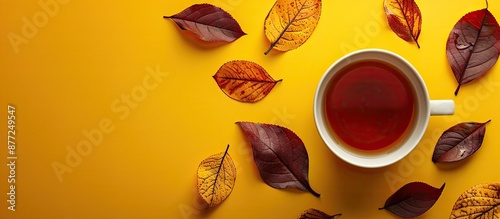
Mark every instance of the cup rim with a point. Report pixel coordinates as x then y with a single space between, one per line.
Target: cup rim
385 159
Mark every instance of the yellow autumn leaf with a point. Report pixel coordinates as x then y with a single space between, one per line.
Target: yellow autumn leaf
216 178
291 22
480 201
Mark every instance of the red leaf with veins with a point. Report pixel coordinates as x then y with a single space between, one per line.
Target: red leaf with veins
313 213
280 156
473 46
404 18
209 23
413 199
459 142
244 81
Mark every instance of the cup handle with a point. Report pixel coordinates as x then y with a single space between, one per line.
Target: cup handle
442 107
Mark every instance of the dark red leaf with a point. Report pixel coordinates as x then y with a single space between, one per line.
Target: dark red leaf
312 213
413 199
473 46
459 142
209 23
404 18
280 156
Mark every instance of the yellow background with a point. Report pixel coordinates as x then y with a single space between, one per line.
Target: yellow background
67 76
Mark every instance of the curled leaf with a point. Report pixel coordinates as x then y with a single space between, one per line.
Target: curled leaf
244 81
209 23
473 46
413 199
404 18
312 213
280 156
216 178
459 142
290 23
480 201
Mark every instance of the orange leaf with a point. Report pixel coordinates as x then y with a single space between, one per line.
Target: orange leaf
216 178
480 201
291 22
244 81
405 18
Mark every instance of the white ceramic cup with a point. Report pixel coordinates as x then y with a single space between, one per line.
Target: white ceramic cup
423 110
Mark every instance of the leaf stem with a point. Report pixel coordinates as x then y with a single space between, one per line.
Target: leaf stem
487 4
442 187
271 47
458 88
337 215
314 192
225 152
